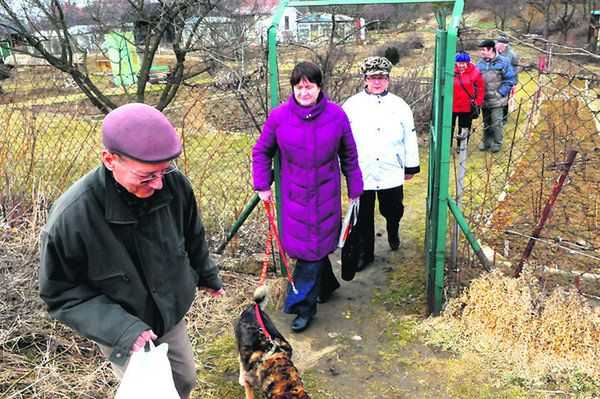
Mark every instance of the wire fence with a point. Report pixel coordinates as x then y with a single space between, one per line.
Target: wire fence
511 198
51 133
50 137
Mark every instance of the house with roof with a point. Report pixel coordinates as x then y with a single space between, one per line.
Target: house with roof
249 24
287 31
317 27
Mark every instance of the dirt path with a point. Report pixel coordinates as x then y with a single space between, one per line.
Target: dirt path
361 343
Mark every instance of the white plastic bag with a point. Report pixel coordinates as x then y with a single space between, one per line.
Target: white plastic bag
148 375
348 223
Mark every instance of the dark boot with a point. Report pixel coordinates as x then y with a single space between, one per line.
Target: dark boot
301 323
393 237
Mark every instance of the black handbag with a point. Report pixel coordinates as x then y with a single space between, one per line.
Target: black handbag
350 255
351 248
475 110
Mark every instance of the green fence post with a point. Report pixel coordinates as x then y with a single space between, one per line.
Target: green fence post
440 151
274 89
239 222
462 223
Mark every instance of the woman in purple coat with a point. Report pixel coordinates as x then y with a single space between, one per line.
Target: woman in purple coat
314 139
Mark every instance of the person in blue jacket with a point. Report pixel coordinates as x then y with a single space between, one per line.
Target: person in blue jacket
499 78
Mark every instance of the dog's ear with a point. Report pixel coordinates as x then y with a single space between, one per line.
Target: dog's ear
261 295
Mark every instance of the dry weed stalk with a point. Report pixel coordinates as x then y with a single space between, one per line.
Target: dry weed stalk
542 338
40 358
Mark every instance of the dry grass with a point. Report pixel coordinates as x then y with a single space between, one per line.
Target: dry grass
43 359
536 338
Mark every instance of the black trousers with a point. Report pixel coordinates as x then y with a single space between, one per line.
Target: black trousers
390 207
465 119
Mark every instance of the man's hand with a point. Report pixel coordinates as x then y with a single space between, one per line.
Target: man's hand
212 292
353 200
265 195
141 341
408 177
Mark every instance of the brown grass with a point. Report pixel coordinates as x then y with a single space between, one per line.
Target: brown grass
536 337
43 359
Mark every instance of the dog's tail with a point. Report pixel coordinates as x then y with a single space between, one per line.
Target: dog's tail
261 295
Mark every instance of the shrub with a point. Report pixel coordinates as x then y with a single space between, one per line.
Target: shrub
395 50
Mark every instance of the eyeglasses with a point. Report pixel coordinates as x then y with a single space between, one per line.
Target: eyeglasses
156 175
377 77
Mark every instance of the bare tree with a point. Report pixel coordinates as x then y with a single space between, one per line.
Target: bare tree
527 16
235 42
504 10
545 8
559 15
565 11
167 21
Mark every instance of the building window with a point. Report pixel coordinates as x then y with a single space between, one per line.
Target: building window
286 23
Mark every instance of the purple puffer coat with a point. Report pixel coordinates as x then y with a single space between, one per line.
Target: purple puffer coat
314 142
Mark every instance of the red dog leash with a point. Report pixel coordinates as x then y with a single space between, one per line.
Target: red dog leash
273 232
265 266
261 324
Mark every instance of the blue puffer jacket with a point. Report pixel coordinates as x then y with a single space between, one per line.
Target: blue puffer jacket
499 77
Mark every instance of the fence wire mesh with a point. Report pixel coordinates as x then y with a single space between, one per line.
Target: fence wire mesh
51 137
553 111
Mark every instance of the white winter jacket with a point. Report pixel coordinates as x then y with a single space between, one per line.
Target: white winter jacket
384 131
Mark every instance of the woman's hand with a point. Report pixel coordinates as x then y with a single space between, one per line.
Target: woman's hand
354 200
266 195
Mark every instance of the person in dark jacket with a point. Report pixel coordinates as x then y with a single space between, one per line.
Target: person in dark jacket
314 139
124 250
468 88
503 48
499 78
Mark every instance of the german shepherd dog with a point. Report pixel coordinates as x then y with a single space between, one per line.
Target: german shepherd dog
265 365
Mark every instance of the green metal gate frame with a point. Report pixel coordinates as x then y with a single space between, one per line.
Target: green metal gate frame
438 198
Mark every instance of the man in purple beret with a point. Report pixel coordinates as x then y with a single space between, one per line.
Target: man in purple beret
124 249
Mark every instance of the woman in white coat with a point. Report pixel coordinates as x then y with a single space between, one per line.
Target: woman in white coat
384 130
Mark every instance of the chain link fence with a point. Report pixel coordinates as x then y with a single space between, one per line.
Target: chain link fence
507 197
50 137
51 133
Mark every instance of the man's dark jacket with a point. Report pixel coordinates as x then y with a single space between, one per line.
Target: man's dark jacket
111 276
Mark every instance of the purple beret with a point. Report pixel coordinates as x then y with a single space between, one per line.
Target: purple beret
141 132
